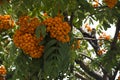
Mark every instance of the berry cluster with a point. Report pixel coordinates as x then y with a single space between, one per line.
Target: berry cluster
104 36
95 3
76 44
101 51
111 3
26 39
28 25
3 70
6 22
88 28
58 29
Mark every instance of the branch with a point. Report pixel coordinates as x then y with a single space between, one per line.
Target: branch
86 56
86 38
104 71
71 20
80 76
115 73
88 71
113 44
93 43
65 16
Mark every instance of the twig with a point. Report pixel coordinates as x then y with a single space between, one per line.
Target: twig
86 56
86 38
71 20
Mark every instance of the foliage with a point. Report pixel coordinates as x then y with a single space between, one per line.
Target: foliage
49 39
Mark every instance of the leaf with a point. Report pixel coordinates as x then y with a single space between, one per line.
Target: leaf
65 56
49 52
53 70
37 32
54 56
106 25
1 48
22 63
43 30
40 30
50 43
12 49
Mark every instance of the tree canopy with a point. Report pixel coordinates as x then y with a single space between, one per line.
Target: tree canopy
56 40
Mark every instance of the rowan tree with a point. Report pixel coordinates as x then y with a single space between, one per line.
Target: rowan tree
59 39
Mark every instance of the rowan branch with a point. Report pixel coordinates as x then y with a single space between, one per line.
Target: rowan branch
113 44
86 56
115 72
88 71
95 46
86 38
65 16
71 20
104 71
80 76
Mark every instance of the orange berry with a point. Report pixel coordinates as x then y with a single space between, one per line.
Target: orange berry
89 29
107 37
119 35
111 3
45 14
119 77
104 36
3 71
95 3
100 52
76 44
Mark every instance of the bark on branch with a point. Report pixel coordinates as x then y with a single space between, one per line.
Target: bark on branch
93 43
113 44
88 71
80 76
115 72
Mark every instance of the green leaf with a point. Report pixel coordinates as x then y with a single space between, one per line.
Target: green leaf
37 32
12 49
50 43
40 30
1 48
43 30
54 56
50 69
49 52
106 25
